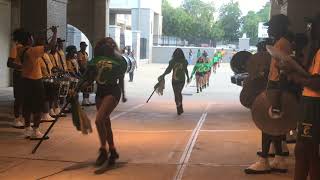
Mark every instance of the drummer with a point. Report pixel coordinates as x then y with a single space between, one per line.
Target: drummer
73 69
278 29
46 67
72 62
14 64
61 55
83 59
32 81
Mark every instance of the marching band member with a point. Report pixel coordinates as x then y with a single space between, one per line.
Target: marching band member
178 64
83 59
61 55
17 80
72 62
278 29
208 70
307 150
32 82
54 57
108 69
199 74
73 70
46 67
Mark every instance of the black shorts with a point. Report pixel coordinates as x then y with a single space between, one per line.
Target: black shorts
34 95
201 74
105 90
309 126
17 85
50 91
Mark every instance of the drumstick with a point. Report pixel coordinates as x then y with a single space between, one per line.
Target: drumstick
151 95
155 88
50 127
56 119
279 56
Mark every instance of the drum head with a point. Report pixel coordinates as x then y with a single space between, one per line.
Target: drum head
258 64
288 121
251 89
238 62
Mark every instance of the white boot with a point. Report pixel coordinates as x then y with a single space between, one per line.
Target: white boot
262 166
292 137
46 117
279 164
36 134
272 151
27 132
85 102
57 110
52 113
18 123
285 149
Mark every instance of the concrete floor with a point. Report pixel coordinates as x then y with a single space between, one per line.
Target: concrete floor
214 139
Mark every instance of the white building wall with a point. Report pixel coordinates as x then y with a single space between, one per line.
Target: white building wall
163 54
5 29
155 5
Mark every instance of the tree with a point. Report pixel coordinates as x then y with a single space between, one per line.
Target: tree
229 18
251 21
250 24
193 21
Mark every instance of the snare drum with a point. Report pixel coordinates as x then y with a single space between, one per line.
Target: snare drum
49 87
73 84
89 89
63 88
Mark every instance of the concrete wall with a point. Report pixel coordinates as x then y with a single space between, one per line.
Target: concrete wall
57 15
90 16
37 15
146 27
163 54
155 5
5 31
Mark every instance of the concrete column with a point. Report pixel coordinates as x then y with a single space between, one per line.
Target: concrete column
107 18
5 31
146 28
275 8
114 32
37 15
113 19
15 14
298 10
100 20
57 16
136 44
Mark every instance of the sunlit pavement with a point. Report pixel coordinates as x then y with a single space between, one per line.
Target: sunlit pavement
214 139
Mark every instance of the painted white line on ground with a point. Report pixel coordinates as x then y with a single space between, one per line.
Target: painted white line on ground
220 165
188 150
221 130
70 138
123 113
151 131
175 131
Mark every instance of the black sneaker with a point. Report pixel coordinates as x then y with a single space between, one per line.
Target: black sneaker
200 89
179 110
113 157
197 90
103 157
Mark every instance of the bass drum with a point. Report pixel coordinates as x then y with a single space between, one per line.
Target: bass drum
131 63
239 61
291 114
251 89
